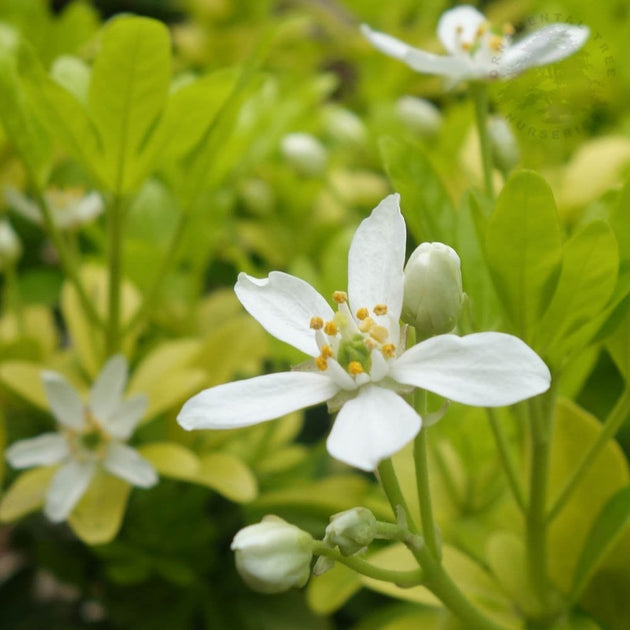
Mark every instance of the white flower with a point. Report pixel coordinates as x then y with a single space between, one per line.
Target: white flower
476 51
419 115
69 207
273 556
360 364
90 436
351 530
10 246
305 153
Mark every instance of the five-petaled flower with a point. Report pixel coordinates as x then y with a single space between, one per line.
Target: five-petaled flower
359 361
89 436
478 52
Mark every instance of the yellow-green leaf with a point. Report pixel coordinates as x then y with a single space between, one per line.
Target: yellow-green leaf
26 494
172 460
328 592
25 379
229 476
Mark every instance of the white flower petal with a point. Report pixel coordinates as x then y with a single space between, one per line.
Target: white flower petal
89 208
418 60
67 487
43 450
284 305
106 393
546 45
372 426
124 420
459 25
377 258
126 463
23 205
65 403
485 369
336 373
255 400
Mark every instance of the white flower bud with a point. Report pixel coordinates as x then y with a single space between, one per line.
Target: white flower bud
343 125
420 115
10 246
273 556
351 530
505 151
433 289
305 153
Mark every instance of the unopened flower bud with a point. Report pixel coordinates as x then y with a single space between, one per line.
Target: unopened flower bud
273 556
10 247
505 151
343 125
351 530
419 115
305 153
433 289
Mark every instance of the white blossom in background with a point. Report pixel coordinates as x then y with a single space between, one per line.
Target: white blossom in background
70 207
305 153
10 246
477 51
90 435
359 361
419 115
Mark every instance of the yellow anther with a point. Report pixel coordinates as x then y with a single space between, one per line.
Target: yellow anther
317 323
321 363
327 352
330 328
380 333
389 350
366 324
380 309
467 46
459 29
362 313
481 30
496 43
370 343
508 29
340 297
354 368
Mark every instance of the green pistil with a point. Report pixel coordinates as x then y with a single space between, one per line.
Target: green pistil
93 440
354 349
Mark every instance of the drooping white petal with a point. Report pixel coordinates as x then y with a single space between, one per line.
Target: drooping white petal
377 257
106 393
24 206
125 462
372 426
67 487
459 25
485 369
124 419
65 403
546 45
43 450
284 305
418 60
255 400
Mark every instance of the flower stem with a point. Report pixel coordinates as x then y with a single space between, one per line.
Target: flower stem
422 482
506 458
394 494
406 579
114 260
479 93
13 299
610 427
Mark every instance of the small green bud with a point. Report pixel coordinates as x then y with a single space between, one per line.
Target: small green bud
305 153
433 289
10 246
351 530
273 556
505 151
419 115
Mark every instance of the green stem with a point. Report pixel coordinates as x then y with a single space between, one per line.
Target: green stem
479 93
13 299
389 481
406 579
610 427
506 458
114 260
422 482
68 261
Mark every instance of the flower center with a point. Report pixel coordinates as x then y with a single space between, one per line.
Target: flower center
487 41
90 442
351 339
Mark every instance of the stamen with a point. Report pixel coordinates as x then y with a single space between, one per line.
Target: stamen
330 328
362 313
459 29
366 324
389 350
380 333
340 297
370 343
327 352
354 368
321 363
495 43
481 30
508 29
380 309
317 323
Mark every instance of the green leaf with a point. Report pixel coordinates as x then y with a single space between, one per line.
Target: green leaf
129 87
25 378
587 281
229 476
610 523
428 209
328 592
523 248
172 460
620 223
26 494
